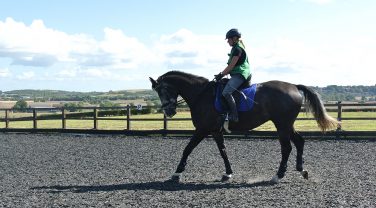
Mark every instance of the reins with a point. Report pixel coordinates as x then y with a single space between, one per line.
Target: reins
197 97
181 101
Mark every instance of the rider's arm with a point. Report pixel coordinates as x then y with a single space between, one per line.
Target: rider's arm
232 64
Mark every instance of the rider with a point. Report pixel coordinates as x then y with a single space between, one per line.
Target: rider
237 67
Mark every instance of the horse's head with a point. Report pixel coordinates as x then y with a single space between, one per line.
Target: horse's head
168 96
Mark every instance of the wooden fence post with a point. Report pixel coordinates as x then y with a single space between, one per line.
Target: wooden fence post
63 118
128 118
164 122
339 115
35 124
6 118
95 118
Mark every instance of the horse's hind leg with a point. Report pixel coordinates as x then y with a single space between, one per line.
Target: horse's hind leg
284 140
298 141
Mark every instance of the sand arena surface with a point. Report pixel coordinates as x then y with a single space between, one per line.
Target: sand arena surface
62 170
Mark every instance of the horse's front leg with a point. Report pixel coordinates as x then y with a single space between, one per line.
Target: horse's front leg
218 137
196 139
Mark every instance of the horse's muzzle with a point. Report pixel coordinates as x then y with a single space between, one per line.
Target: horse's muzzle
169 108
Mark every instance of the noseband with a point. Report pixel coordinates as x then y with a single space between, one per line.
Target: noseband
173 103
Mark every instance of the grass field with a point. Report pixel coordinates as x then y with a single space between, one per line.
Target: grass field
300 125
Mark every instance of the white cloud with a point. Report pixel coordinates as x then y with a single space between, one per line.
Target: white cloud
37 45
4 73
33 45
119 57
340 61
27 75
66 73
185 50
125 52
96 73
84 74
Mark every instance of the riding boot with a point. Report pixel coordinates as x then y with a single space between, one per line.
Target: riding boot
232 106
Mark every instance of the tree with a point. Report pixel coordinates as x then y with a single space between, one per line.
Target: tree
20 105
72 107
108 104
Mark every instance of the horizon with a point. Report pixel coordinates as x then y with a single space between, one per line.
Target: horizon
152 89
96 46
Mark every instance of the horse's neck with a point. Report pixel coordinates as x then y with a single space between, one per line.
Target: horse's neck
190 92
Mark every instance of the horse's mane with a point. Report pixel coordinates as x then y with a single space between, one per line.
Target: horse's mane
191 78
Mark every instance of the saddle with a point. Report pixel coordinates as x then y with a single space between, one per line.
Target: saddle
244 96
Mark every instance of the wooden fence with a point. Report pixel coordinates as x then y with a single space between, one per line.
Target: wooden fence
337 107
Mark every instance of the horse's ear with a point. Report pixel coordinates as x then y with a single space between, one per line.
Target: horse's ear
153 82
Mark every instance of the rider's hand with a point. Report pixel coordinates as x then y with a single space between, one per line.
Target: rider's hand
219 76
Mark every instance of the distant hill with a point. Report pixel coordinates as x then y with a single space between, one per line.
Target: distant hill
347 93
60 95
329 93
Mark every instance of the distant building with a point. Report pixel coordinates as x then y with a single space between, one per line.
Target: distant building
7 104
40 105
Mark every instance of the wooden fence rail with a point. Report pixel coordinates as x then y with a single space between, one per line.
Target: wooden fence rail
338 107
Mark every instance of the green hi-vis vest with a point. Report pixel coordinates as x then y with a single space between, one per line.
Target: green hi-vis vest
243 69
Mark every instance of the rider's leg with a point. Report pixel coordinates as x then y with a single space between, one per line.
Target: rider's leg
233 115
232 85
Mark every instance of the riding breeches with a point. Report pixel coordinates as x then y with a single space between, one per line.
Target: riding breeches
233 84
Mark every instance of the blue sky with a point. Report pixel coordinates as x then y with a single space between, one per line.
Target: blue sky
96 45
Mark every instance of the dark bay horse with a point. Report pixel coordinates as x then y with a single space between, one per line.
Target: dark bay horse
277 101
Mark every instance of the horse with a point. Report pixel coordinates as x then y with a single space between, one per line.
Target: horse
277 101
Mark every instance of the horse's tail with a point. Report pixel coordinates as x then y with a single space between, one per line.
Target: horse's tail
315 106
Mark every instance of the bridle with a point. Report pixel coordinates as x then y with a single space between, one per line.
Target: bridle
171 102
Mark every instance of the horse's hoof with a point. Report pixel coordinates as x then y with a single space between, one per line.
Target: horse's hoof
226 178
275 179
304 173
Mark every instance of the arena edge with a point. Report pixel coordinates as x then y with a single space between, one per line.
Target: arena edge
96 114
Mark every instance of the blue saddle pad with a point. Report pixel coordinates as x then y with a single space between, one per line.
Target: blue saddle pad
243 103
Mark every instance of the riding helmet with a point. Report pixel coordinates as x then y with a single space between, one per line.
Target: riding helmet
233 33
